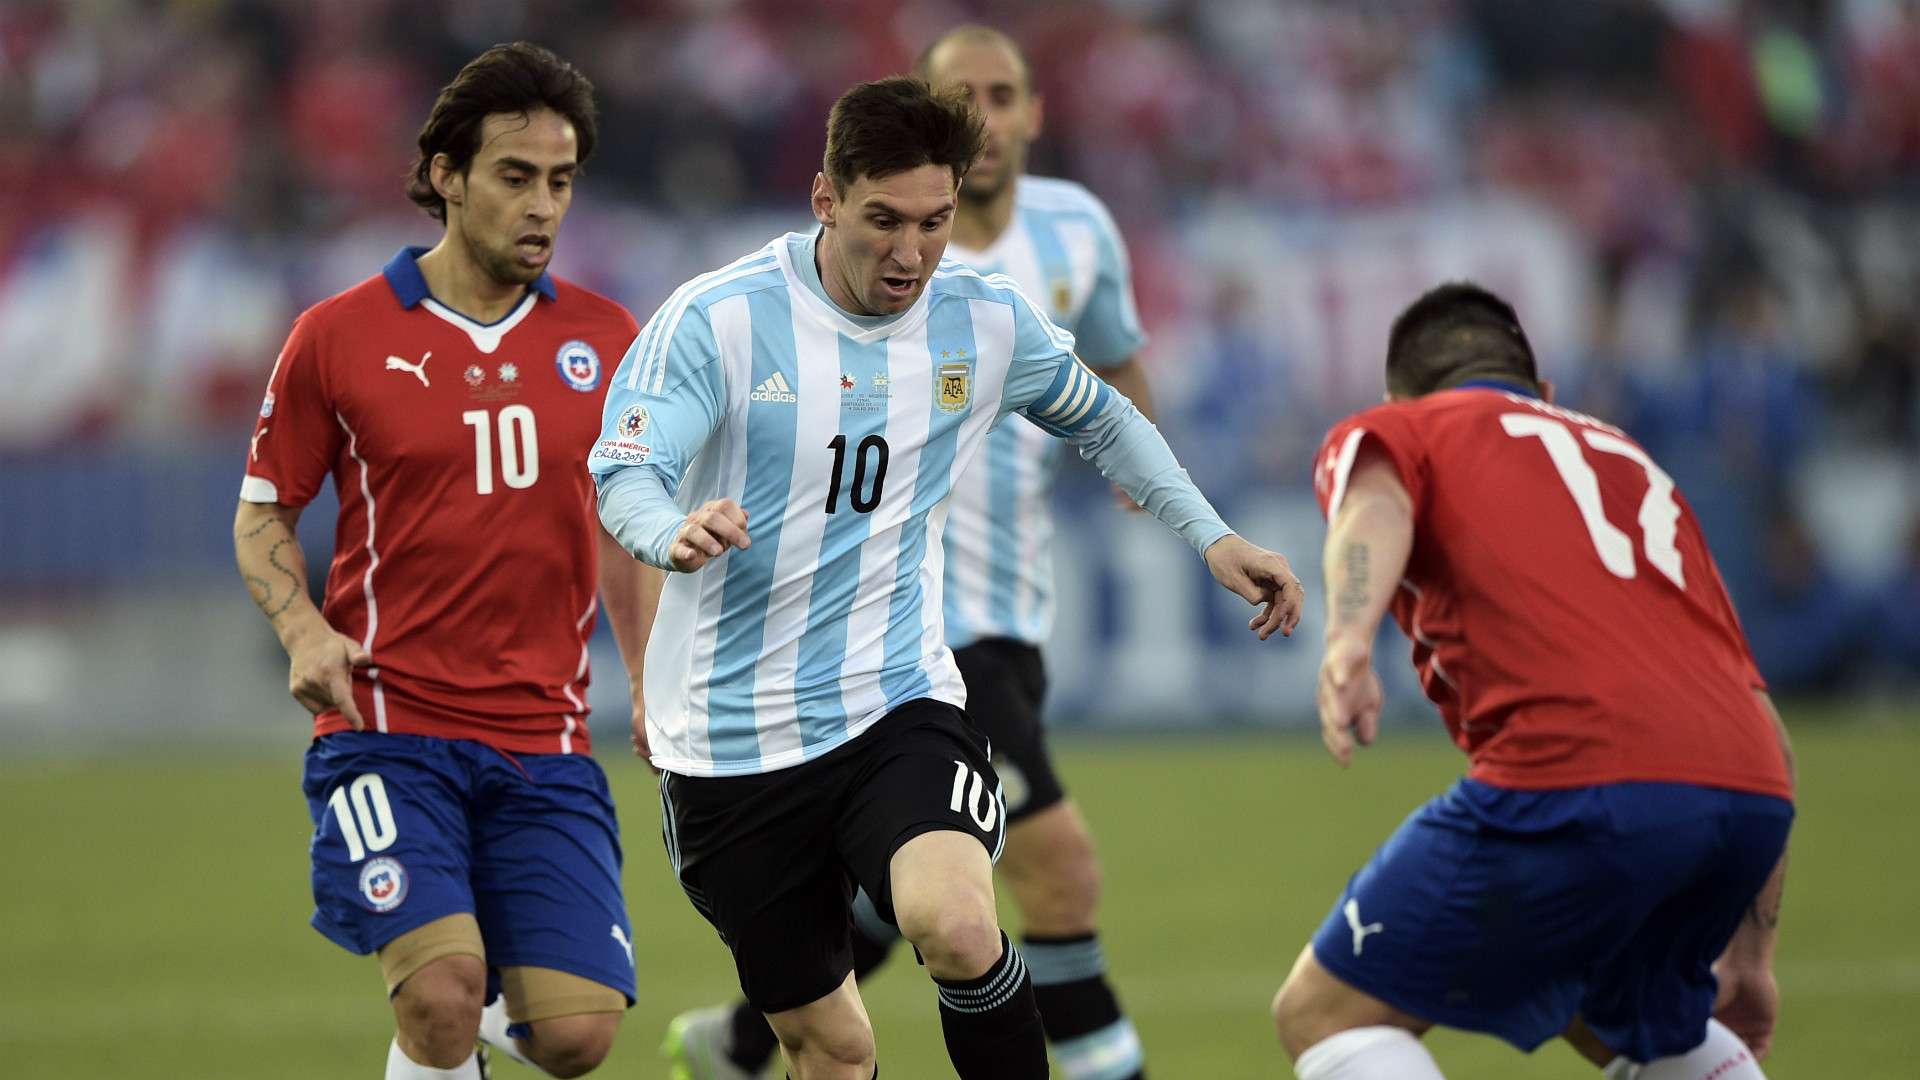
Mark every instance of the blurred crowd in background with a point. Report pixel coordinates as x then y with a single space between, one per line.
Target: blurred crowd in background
1707 211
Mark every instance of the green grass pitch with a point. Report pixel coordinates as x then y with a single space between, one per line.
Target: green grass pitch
152 922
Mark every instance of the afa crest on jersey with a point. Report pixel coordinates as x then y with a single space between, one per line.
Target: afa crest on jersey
633 422
579 365
956 386
383 884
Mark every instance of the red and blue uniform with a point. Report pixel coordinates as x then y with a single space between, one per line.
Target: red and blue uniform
465 563
1627 794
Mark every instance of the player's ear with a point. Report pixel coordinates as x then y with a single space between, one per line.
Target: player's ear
450 183
1546 390
823 201
1036 114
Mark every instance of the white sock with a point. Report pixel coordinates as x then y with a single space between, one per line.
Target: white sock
1722 1056
402 1067
1368 1053
493 1031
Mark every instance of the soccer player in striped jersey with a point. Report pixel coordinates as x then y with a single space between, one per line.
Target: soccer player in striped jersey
461 829
784 435
1057 242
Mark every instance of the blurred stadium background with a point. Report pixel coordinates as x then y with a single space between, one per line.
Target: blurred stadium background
1706 211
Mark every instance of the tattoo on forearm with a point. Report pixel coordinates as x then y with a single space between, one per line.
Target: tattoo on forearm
259 587
1352 598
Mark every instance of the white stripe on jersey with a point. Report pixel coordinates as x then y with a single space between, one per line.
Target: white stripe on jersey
652 369
366 583
580 672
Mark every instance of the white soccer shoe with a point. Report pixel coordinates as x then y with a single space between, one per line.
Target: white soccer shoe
697 1043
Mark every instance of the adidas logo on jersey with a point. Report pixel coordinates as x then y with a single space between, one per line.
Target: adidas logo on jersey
775 389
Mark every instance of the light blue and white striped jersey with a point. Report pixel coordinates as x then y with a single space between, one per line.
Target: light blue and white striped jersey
1061 249
840 437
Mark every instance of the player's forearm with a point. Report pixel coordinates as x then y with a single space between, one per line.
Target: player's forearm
630 595
1128 450
272 563
640 515
1129 379
1365 557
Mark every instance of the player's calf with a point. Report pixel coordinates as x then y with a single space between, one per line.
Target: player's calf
827 1039
437 1011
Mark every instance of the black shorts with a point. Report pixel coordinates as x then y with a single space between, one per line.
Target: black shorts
1006 684
771 860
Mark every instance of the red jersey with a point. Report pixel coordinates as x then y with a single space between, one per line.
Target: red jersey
1565 613
465 554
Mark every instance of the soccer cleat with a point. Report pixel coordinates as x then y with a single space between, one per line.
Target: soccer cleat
696 1046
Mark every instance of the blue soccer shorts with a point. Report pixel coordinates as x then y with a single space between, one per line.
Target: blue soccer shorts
1511 912
409 828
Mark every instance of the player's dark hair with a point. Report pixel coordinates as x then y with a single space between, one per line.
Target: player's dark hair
974 32
515 78
1454 333
894 124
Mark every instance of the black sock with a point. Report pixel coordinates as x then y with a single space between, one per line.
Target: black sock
754 1042
991 1023
1078 1007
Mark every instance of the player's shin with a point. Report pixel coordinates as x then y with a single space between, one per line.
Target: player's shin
402 1067
992 1024
1091 1037
1721 1056
1368 1053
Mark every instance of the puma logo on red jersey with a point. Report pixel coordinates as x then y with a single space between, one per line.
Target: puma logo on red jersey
418 370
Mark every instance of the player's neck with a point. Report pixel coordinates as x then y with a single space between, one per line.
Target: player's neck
455 279
977 225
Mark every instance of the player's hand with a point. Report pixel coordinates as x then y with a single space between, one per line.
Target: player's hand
1749 1003
321 674
1259 576
1349 696
708 533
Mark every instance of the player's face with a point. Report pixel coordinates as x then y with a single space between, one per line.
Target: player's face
884 237
993 77
512 197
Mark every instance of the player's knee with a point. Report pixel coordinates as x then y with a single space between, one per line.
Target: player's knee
438 1008
572 1045
958 939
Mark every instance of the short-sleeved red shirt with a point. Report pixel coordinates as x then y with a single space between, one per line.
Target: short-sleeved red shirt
1565 613
465 553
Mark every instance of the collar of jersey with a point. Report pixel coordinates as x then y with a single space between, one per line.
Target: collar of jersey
409 285
796 261
1495 384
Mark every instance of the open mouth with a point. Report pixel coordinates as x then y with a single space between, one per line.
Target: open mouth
533 248
898 287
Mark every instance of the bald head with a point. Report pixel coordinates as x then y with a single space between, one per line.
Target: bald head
989 67
929 65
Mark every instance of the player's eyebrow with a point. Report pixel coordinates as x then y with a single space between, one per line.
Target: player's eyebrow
527 166
875 202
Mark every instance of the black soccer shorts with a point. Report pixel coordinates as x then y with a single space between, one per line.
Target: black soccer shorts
1006 685
772 859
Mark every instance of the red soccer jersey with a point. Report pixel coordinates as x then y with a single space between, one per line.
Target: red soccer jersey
1566 615
465 554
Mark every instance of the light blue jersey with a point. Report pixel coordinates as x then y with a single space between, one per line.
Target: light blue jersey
841 438
1062 249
